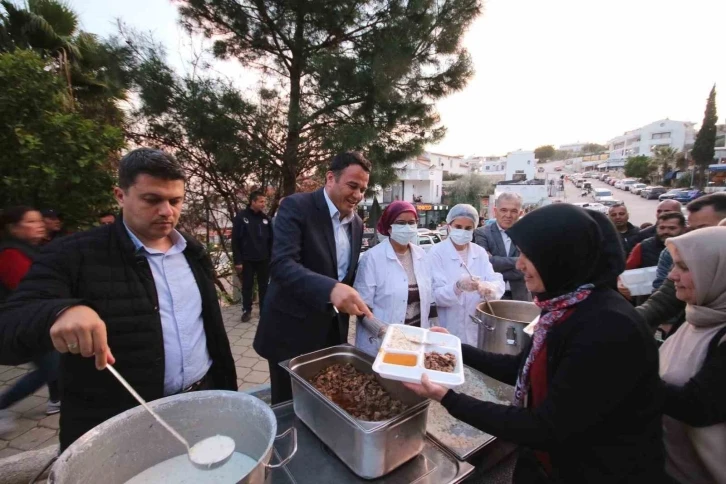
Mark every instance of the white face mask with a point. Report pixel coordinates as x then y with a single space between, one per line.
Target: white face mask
461 236
404 234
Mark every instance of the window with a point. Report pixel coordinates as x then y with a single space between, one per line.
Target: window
663 135
619 146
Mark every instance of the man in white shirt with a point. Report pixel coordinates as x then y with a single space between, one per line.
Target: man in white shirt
502 253
314 258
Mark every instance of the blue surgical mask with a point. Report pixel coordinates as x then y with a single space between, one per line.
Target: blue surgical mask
404 234
461 236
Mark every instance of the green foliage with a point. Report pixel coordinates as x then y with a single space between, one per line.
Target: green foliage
594 148
639 167
354 74
451 176
470 189
544 153
665 159
51 156
703 148
684 181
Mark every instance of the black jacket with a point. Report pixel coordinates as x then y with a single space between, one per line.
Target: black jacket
630 238
101 269
601 420
297 315
251 236
650 250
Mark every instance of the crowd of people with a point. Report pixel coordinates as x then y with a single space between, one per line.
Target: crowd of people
596 400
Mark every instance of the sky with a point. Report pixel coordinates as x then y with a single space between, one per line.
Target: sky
547 72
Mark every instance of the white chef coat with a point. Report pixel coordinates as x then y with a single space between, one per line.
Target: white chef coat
383 284
445 268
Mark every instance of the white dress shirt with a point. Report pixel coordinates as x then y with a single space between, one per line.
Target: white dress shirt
341 230
507 246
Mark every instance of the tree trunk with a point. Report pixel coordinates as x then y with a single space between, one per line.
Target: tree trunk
289 157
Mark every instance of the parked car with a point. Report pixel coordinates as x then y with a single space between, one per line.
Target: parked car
687 196
655 192
612 181
427 239
598 207
610 201
637 187
559 168
579 183
627 184
644 191
367 242
671 194
599 193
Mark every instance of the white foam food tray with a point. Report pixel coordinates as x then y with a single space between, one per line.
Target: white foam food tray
440 342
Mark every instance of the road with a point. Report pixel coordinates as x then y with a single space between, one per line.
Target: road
640 209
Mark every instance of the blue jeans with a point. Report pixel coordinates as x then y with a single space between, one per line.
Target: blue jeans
46 372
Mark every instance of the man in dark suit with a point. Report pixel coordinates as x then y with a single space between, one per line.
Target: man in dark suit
503 253
315 253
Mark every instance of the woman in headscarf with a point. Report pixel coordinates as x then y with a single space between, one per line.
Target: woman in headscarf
456 293
587 405
693 361
392 277
22 231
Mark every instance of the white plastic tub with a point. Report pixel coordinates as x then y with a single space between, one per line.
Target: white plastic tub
441 343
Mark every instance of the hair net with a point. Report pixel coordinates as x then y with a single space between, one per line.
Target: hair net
463 210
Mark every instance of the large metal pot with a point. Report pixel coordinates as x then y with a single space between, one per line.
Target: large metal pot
504 333
131 442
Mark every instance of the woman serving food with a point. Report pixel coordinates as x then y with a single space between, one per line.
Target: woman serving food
587 391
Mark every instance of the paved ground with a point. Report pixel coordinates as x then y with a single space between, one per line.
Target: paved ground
36 430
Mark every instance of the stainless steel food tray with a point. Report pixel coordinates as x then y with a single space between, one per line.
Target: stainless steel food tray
315 463
369 449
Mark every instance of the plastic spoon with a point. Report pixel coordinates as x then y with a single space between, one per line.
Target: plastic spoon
206 454
489 306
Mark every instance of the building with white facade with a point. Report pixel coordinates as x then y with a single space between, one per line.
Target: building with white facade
520 165
644 140
573 147
455 165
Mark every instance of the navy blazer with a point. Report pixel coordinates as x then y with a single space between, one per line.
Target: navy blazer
297 315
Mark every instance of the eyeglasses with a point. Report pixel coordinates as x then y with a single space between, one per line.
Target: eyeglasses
404 222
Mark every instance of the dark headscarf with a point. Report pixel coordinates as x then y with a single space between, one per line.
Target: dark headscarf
570 247
391 213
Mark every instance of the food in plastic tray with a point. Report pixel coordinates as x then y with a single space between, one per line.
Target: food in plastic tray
397 353
639 281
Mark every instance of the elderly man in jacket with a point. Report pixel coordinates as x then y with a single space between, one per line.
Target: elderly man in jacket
503 254
137 294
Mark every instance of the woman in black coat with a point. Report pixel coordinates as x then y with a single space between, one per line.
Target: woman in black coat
587 399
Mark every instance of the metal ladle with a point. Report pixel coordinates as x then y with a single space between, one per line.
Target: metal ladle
221 445
489 306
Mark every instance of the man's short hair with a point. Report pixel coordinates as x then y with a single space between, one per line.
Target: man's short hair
255 195
715 200
617 205
671 215
149 161
509 197
343 160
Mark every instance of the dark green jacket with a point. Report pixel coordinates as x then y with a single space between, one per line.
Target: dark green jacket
662 306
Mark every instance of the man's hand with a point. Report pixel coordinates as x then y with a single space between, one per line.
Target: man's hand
624 290
347 300
79 330
238 267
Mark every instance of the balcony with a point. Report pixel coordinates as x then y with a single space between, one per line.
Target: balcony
416 174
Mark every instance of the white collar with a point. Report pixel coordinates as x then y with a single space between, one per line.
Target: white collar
334 212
